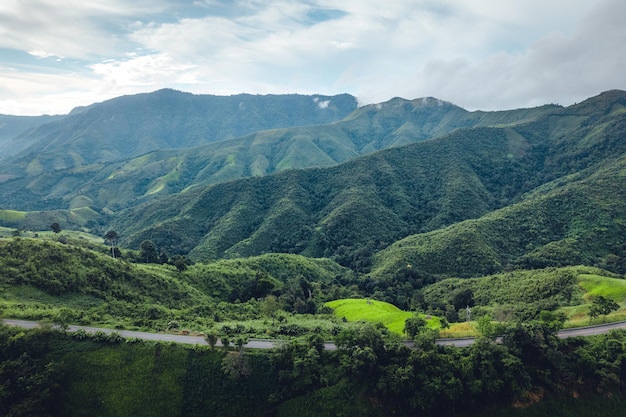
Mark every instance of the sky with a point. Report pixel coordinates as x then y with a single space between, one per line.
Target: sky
478 54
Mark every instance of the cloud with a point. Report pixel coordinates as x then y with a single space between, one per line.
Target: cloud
555 68
480 54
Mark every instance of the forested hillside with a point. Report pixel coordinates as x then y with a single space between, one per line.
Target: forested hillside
531 373
556 182
67 173
69 151
487 224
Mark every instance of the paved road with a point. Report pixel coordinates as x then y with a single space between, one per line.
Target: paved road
161 337
563 334
269 344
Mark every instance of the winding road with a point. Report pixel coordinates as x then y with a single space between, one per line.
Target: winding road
269 344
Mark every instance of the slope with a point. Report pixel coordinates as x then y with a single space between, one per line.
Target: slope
12 127
44 279
353 210
114 185
129 126
580 220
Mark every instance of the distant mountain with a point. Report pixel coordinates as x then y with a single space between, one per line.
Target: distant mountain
351 211
11 127
129 126
116 185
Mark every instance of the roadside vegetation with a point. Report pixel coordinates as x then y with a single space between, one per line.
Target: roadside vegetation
273 295
53 373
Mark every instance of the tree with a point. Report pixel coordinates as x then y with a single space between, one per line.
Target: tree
111 236
211 339
63 319
180 262
486 328
56 228
602 306
463 299
414 325
359 348
225 342
240 342
269 306
149 251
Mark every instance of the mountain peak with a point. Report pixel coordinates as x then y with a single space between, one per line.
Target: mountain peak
602 103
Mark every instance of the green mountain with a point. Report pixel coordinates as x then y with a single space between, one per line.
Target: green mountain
129 126
580 219
351 211
68 151
76 179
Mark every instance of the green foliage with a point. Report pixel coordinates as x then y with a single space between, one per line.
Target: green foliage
55 227
602 306
413 326
29 380
83 149
529 208
211 338
71 284
53 373
511 210
149 252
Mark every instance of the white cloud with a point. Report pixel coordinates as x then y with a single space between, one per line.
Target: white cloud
555 68
480 54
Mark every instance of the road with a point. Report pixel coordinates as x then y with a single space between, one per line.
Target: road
269 344
160 337
563 334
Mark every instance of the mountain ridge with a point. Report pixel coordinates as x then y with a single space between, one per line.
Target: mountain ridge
350 211
117 185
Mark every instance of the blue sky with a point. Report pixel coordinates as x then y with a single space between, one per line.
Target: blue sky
479 54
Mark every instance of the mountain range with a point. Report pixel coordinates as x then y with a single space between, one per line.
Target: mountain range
115 154
407 189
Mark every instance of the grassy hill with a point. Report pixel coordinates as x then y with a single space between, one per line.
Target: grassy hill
376 312
42 279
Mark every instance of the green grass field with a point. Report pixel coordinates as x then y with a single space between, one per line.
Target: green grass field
596 285
358 309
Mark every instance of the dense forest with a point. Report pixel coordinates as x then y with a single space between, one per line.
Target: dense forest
50 373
